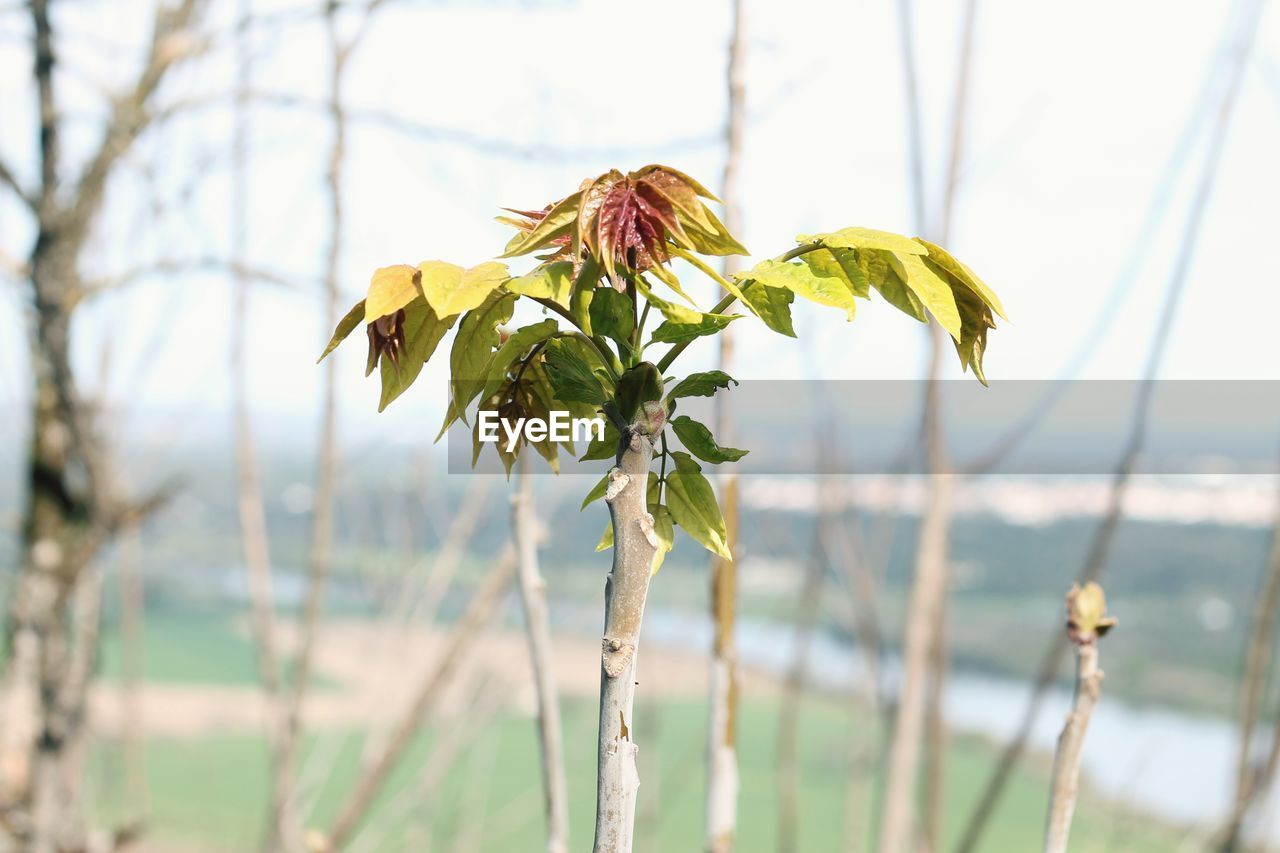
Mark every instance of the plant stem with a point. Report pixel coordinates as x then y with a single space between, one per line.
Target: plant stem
625 591
1066 763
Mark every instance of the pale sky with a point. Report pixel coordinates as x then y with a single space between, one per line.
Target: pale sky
1077 115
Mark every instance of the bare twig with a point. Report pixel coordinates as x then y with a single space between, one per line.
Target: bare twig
1105 532
11 181
357 804
1252 781
1086 622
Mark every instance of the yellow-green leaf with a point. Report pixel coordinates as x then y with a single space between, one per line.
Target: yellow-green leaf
807 281
451 290
932 290
841 264
665 532
557 223
554 282
866 238
948 262
390 289
772 305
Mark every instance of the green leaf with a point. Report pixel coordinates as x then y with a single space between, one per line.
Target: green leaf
584 290
390 289
664 274
346 326
932 290
571 374
472 351
678 333
699 441
941 257
554 282
612 315
672 312
606 539
513 349
559 222
693 505
603 448
711 237
596 493
451 290
865 238
703 384
665 531
637 386
423 331
772 305
841 264
806 281
881 275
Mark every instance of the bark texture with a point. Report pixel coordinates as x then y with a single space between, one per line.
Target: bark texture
618 780
71 509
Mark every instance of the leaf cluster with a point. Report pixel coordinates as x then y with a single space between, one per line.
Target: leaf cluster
604 265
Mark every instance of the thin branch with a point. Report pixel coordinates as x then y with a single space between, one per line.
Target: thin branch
356 807
10 180
1086 623
130 115
1105 532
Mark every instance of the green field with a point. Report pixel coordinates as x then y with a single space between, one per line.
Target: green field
208 794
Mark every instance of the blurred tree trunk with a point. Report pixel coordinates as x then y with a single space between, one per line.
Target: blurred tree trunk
283 827
722 750
789 770
533 598
70 510
925 643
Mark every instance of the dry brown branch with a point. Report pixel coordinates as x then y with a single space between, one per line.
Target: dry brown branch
356 807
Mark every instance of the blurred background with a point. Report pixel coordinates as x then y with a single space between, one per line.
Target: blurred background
246 611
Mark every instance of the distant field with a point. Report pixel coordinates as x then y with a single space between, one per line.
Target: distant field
208 794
